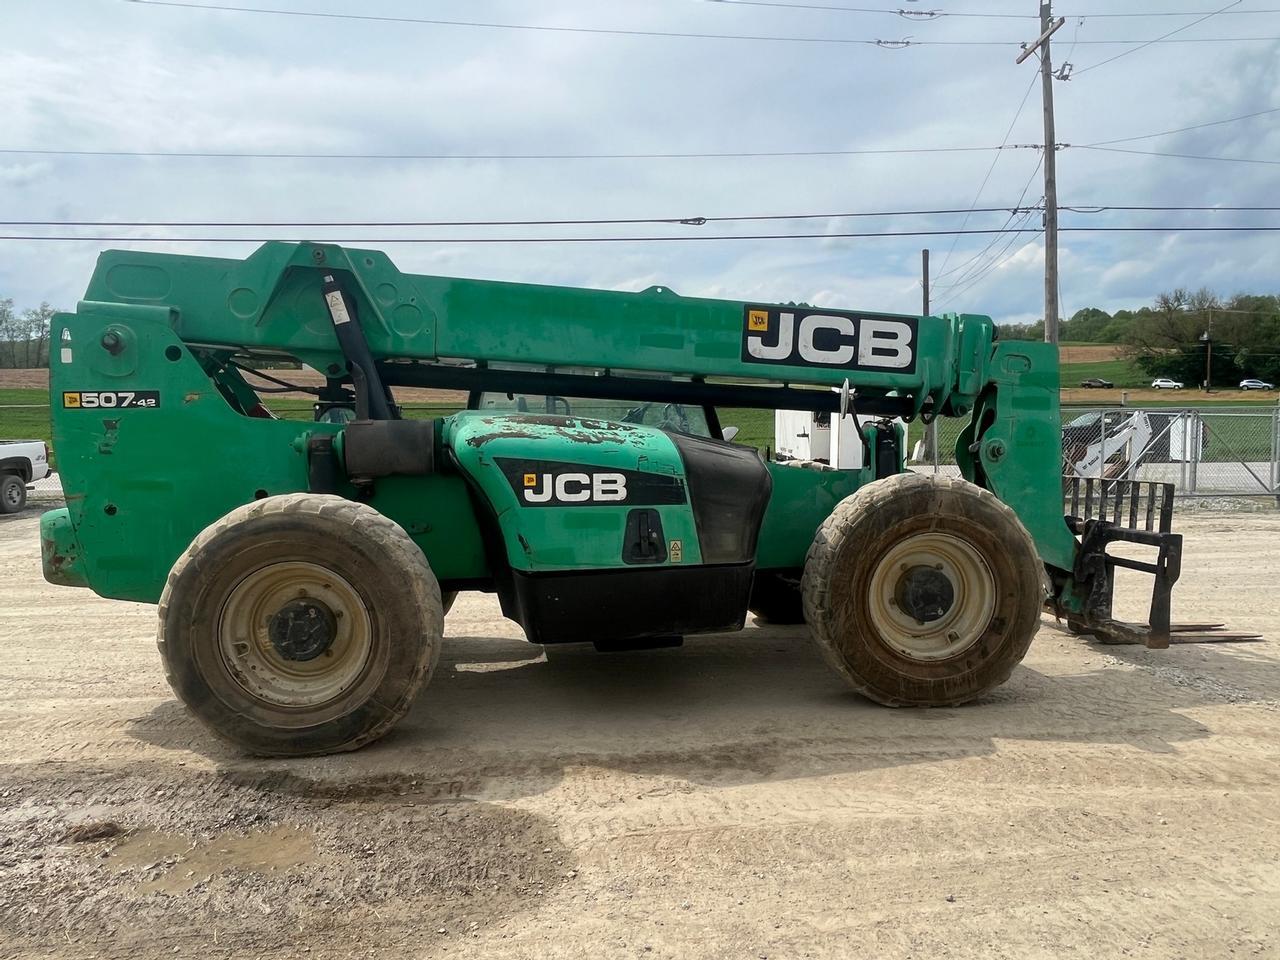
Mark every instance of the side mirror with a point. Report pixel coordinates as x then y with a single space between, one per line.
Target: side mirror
728 433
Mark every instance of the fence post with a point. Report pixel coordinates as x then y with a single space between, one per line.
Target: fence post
1192 441
1275 452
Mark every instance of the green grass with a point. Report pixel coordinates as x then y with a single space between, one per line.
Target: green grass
15 395
1119 372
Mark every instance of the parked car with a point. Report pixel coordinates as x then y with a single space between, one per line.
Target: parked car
1252 384
21 462
1097 383
1164 383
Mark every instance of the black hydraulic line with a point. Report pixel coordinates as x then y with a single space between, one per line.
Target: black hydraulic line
371 395
610 387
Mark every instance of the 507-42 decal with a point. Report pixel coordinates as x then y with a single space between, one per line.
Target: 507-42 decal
109 399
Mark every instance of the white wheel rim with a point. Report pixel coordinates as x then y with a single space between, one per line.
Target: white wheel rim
943 630
259 668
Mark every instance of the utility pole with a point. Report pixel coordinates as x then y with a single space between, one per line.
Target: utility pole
1048 26
1208 354
931 428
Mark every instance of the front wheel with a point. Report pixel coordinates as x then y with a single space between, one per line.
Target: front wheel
923 590
300 624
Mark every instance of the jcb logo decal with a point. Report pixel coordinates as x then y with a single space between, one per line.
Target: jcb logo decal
829 338
556 483
575 488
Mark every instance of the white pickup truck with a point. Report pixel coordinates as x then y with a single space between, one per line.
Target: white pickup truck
21 462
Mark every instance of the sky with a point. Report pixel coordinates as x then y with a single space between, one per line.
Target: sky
114 75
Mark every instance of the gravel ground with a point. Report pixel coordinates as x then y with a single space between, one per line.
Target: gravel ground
729 799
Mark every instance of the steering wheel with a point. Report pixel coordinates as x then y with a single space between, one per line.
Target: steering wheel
551 405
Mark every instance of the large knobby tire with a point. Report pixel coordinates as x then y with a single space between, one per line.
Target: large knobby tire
923 590
13 493
775 598
300 624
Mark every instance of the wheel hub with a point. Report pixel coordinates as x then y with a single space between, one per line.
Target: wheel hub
301 630
931 596
925 593
295 634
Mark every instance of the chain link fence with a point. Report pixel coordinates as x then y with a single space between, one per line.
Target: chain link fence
1207 453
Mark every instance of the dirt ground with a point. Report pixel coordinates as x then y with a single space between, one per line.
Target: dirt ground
726 800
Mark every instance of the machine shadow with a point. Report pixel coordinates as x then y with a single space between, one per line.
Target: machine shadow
500 721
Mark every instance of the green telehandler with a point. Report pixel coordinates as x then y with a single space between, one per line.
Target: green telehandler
303 569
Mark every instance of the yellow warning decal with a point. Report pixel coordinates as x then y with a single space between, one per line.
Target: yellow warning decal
675 550
530 479
71 399
758 320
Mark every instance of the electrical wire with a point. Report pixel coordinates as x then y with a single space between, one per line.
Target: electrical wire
939 14
1160 39
1001 257
991 169
1175 13
550 28
1195 126
1014 211
888 44
677 238
1180 156
236 155
680 221
898 12
995 240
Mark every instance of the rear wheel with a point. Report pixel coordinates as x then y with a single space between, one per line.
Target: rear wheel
923 590
300 624
13 493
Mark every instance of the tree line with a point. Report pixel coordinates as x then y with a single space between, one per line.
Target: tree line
1176 334
24 336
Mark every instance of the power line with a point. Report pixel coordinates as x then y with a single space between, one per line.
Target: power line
978 196
940 14
1001 256
899 12
1100 208
964 267
694 221
888 44
675 238
234 155
550 28
1180 156
1166 36
1014 211
1196 126
724 155
1172 13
